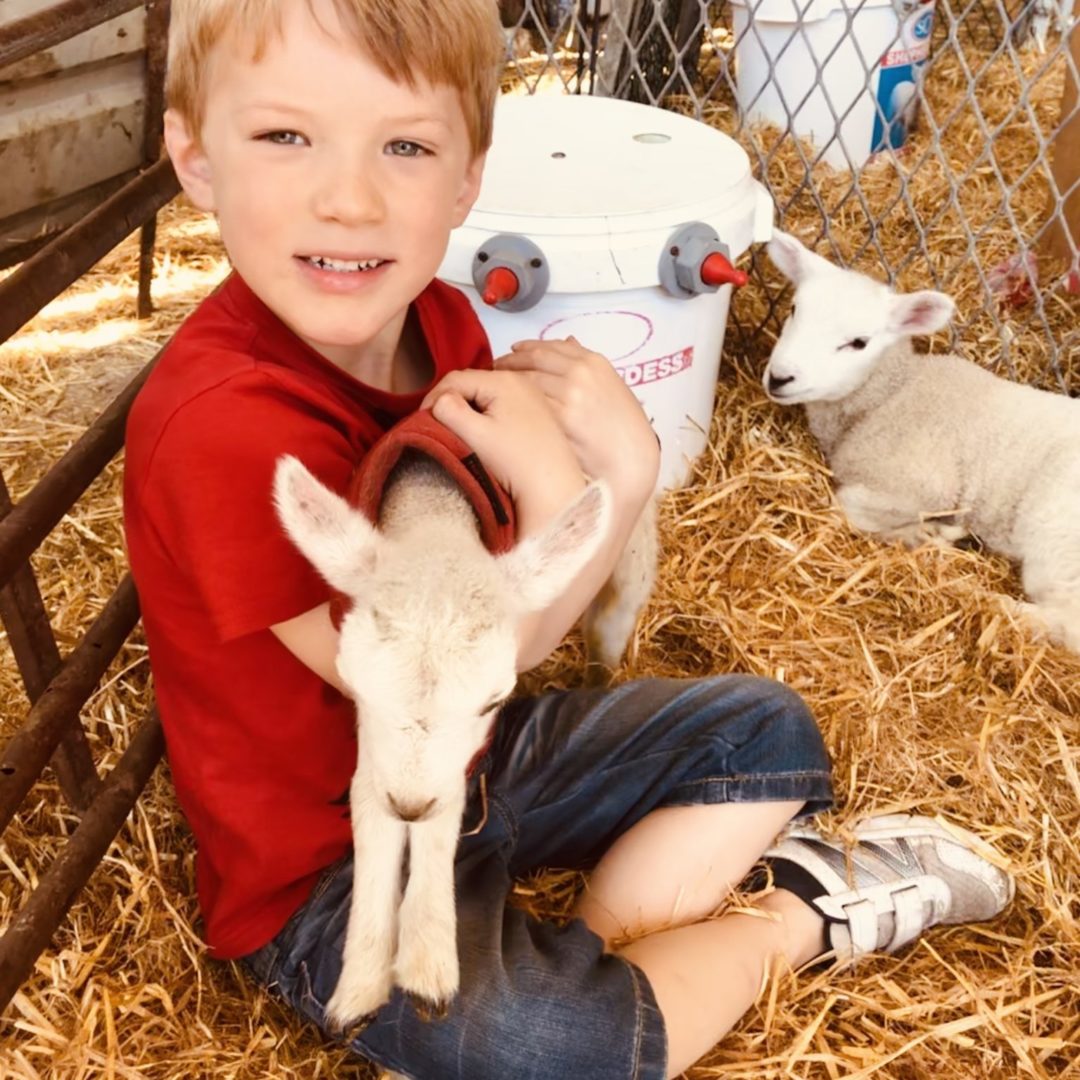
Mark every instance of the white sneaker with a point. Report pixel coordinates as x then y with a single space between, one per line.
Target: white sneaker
903 875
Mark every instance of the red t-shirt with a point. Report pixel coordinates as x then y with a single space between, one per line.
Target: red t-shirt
261 749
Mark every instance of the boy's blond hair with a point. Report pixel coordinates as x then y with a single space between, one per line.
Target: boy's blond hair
457 43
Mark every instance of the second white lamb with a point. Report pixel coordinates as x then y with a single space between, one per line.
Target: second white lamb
931 447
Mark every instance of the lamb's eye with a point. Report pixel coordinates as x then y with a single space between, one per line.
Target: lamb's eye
858 344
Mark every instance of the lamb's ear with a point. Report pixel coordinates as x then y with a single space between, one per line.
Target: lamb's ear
793 259
541 567
920 312
336 539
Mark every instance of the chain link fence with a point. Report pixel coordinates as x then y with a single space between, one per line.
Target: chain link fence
931 143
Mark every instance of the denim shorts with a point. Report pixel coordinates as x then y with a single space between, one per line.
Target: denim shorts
568 772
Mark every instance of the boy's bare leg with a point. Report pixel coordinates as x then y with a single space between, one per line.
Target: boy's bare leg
705 976
674 868
677 865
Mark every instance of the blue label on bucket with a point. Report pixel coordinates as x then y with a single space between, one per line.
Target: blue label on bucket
899 77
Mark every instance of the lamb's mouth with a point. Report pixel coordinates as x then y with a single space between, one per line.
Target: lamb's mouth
342 266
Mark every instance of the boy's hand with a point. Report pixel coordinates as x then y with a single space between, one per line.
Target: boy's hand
506 420
597 411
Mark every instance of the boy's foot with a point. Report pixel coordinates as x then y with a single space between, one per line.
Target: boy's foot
903 875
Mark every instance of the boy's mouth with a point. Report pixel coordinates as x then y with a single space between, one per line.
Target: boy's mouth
342 266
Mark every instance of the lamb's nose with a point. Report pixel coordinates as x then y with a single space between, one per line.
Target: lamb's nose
414 811
775 384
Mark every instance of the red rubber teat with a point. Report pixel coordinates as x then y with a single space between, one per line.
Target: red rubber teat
716 270
500 285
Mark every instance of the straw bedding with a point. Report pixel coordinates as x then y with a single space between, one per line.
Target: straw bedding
931 698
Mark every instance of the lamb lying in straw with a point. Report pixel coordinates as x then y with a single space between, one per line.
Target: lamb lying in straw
428 651
931 447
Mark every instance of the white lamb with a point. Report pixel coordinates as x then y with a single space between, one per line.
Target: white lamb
928 447
428 651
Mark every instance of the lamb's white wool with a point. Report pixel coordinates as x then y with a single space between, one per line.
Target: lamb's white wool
930 447
428 651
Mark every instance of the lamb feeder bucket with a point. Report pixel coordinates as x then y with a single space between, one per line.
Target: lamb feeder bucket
619 224
844 74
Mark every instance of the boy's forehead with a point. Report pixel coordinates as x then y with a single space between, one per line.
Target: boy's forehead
259 56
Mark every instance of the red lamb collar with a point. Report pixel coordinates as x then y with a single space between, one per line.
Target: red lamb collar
422 432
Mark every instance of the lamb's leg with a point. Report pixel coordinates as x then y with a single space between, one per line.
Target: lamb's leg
1053 613
427 955
893 517
367 963
610 619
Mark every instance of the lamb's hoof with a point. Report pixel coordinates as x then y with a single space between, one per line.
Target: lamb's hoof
598 675
429 1010
354 1003
429 974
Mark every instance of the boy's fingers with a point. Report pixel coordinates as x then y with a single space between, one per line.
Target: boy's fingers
455 412
470 385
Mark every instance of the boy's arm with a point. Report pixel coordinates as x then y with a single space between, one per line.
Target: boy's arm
313 639
549 413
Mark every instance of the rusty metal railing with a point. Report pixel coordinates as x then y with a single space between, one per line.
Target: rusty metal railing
57 687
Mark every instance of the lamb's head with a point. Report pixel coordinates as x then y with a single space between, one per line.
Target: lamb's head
428 649
841 324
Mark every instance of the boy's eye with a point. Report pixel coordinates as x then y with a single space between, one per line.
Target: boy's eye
405 148
282 138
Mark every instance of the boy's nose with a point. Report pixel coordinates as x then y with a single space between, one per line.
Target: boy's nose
349 197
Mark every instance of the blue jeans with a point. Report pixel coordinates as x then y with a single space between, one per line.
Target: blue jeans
568 772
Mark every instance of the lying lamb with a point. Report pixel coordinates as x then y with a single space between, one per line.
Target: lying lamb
428 652
931 446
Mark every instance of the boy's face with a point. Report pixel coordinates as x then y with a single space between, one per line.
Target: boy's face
335 188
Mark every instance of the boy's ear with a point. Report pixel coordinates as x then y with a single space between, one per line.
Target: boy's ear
470 189
189 160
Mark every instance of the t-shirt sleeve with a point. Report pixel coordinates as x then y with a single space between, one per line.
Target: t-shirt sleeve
207 494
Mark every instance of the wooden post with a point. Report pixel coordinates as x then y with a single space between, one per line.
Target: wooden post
157 36
1063 236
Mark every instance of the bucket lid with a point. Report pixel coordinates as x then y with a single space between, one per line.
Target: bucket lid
598 184
795 11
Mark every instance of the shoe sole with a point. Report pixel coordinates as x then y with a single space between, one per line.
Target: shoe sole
897 826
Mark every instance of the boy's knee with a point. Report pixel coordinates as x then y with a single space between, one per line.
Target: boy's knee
774 719
797 726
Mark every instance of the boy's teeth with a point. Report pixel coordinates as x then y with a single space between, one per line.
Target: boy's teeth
324 263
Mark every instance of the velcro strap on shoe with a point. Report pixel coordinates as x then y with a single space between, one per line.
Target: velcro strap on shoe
909 912
862 926
858 917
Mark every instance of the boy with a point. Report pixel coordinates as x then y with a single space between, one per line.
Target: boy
338 142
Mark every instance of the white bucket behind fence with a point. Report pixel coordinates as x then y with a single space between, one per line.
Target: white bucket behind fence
842 73
600 186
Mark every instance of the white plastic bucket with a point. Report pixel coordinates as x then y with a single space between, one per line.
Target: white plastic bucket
781 45
600 185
